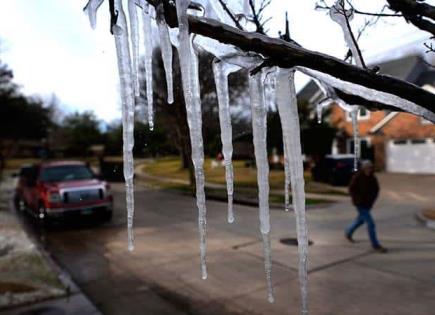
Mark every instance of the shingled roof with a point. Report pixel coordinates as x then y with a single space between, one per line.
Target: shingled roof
411 68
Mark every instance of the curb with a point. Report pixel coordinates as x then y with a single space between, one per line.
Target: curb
73 301
430 224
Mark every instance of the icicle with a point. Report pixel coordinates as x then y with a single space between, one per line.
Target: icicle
269 89
134 38
287 180
221 71
356 139
337 14
370 94
91 9
319 110
259 129
120 32
267 253
288 111
166 48
325 103
190 81
148 35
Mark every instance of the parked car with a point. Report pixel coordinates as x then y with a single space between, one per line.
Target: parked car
62 189
334 169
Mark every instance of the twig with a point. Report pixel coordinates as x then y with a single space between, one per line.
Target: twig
113 15
231 15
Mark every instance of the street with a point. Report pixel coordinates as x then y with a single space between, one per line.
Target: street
162 275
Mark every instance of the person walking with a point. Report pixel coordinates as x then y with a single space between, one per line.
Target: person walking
364 190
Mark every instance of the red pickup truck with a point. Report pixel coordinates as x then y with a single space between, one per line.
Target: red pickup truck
62 189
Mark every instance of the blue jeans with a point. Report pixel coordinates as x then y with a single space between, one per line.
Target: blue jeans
364 216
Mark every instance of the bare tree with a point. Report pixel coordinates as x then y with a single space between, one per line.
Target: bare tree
277 52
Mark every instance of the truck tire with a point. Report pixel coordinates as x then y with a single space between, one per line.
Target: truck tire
19 203
107 216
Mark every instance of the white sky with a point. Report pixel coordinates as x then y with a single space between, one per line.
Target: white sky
52 49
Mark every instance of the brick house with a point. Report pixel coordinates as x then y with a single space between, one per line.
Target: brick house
396 142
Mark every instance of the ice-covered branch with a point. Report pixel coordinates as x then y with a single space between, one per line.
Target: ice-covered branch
286 55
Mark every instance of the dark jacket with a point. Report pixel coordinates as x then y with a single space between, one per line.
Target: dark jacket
364 190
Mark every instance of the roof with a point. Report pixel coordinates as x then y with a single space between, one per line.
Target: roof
308 91
410 68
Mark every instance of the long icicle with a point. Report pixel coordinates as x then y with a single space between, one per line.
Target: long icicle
190 81
134 39
356 138
120 32
166 48
287 180
288 111
259 129
148 35
221 71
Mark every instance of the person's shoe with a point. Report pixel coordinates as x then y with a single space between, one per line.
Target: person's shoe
349 238
380 249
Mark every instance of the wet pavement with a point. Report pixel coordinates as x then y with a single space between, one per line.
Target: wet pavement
162 275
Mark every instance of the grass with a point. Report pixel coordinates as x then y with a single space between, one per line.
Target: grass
242 195
243 176
11 287
28 268
245 181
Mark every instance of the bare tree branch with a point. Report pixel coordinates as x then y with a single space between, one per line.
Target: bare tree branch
421 14
231 15
324 6
287 55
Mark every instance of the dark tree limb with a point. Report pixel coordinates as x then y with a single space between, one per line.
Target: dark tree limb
421 14
288 55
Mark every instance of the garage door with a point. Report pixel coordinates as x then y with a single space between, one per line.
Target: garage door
411 156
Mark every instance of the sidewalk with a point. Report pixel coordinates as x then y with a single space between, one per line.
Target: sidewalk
30 282
162 275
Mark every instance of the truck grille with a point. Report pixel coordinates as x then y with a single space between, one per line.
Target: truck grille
83 195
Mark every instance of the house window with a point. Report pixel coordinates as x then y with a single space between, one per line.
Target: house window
363 114
418 141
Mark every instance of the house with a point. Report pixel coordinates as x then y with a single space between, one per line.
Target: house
395 141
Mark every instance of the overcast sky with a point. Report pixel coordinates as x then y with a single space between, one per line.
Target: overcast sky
52 49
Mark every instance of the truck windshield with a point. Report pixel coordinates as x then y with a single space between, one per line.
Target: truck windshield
66 173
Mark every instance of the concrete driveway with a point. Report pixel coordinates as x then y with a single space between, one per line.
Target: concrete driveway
162 275
408 188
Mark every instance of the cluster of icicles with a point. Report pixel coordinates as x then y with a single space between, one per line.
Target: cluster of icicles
228 59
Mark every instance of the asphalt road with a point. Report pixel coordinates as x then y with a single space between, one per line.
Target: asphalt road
162 275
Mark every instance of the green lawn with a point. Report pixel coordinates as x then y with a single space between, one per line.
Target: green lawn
243 176
245 180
